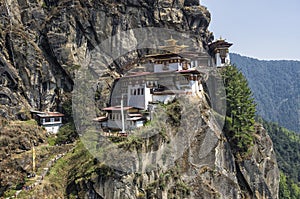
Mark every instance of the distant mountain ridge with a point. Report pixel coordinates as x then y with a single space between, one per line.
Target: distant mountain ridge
276 88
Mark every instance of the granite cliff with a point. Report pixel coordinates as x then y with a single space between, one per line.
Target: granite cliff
206 168
43 43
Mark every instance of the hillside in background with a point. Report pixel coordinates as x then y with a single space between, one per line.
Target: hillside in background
276 88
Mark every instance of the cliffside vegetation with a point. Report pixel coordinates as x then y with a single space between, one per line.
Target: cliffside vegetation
276 88
16 141
240 112
288 188
67 133
75 164
286 143
287 148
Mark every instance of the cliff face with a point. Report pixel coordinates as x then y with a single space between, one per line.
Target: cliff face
206 168
43 43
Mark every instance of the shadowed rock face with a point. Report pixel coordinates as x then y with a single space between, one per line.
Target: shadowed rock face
192 2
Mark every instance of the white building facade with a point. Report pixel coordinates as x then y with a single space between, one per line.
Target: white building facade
51 121
220 52
160 80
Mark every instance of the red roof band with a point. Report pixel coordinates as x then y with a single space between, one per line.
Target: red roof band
117 108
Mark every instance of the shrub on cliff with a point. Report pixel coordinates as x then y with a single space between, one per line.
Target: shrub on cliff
66 134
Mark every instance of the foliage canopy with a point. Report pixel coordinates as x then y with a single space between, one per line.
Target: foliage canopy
240 113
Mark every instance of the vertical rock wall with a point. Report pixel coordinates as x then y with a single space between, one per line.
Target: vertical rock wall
207 167
44 41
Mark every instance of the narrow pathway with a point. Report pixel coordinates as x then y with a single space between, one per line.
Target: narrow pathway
39 179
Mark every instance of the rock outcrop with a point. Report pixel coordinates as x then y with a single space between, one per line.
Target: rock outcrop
44 42
260 171
205 168
191 3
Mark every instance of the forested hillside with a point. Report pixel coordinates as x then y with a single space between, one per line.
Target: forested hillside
276 88
287 147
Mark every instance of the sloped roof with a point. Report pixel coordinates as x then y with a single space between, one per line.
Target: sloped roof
221 43
50 114
100 119
117 108
134 118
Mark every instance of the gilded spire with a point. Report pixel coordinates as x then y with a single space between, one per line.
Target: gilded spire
171 46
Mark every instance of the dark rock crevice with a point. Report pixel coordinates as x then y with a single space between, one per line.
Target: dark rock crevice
245 188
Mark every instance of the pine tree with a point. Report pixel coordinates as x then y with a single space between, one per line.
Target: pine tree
240 112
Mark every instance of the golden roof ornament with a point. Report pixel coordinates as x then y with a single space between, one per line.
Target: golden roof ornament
171 46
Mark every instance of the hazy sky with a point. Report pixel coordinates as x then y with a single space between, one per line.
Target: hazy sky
263 29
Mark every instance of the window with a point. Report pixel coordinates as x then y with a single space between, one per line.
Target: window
138 91
166 66
223 55
44 85
47 119
185 66
142 91
57 119
222 60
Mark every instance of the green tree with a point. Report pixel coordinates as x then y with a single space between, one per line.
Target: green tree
67 133
240 113
288 188
284 191
295 191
